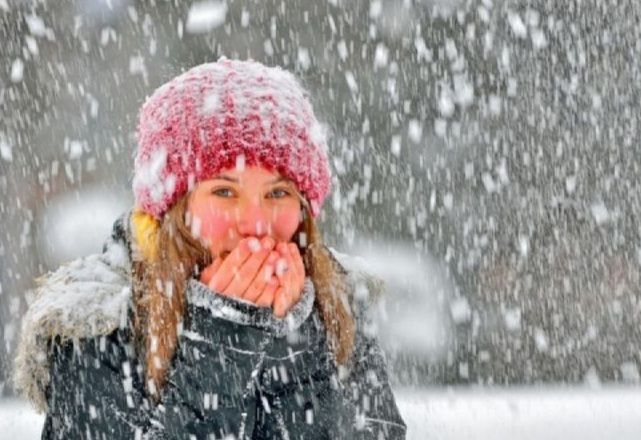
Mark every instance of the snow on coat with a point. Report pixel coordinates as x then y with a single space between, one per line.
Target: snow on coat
238 370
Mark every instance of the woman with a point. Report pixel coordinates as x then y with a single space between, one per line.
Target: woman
214 310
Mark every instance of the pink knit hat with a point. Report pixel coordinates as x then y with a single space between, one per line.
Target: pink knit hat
217 115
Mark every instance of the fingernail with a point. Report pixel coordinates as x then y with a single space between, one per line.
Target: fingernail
254 245
273 256
281 267
268 243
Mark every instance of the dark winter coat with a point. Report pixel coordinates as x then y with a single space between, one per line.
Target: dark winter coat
239 372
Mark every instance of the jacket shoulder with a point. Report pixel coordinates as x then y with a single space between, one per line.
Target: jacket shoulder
366 287
85 298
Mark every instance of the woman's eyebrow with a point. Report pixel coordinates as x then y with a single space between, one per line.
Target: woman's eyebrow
228 178
235 180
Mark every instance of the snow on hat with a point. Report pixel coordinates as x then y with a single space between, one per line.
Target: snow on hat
218 115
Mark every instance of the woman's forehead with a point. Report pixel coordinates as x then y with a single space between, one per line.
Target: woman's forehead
251 175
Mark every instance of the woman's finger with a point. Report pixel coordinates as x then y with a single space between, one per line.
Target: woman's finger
210 270
266 299
282 302
294 279
290 282
294 284
250 269
265 273
232 263
282 265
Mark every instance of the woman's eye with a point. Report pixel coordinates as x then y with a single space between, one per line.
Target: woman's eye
278 193
223 192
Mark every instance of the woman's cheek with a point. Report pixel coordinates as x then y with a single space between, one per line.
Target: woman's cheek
216 228
285 224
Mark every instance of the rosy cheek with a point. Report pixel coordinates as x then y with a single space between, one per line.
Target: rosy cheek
216 227
285 224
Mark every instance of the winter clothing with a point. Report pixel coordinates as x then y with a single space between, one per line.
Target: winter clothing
202 121
238 370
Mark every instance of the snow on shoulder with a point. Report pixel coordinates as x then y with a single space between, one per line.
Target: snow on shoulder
85 298
368 287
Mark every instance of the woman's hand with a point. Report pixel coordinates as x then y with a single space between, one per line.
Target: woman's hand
291 281
238 274
257 273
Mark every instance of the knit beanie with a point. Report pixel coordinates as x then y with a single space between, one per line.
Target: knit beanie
222 115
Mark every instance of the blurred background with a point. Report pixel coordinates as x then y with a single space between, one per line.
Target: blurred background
485 155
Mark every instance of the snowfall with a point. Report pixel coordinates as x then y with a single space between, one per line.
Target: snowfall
512 129
563 413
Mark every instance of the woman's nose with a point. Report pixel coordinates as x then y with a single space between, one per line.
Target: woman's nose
253 220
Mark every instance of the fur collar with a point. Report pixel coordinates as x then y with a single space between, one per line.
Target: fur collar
91 296
85 298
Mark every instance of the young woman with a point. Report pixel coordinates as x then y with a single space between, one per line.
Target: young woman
214 311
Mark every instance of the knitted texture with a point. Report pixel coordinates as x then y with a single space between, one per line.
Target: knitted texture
222 115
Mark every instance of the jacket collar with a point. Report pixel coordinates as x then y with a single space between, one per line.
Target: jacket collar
246 313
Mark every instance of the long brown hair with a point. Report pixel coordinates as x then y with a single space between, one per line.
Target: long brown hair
167 255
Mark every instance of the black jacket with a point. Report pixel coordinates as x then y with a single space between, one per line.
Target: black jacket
238 370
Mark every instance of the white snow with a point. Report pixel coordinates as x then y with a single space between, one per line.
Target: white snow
422 51
381 56
351 81
74 148
205 16
32 44
630 372
448 200
463 91
460 310
137 66
341 47
495 103
375 9
445 102
415 130
304 60
5 150
600 213
396 146
68 215
17 70
517 25
440 127
546 413
512 319
36 25
244 18
539 40
540 340
570 184
489 183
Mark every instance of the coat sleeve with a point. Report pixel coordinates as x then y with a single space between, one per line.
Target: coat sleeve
377 415
94 390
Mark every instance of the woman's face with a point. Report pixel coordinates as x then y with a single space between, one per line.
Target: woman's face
239 203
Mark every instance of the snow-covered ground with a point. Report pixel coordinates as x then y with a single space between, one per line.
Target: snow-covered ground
548 413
